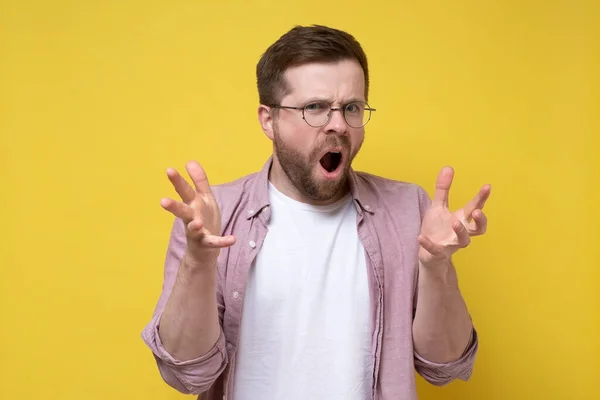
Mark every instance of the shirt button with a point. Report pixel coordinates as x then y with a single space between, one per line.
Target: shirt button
367 207
250 212
252 243
236 294
229 346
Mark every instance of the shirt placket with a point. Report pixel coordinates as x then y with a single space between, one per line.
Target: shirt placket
375 271
250 245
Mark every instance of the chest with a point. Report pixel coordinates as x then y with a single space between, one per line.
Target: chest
310 256
291 255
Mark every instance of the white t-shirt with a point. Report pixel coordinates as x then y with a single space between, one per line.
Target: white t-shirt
306 324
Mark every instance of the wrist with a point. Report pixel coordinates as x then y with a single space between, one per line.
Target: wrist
200 261
440 271
198 273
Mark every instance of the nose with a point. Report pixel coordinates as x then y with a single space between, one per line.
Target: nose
337 123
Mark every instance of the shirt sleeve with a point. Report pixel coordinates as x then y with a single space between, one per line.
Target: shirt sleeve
442 374
187 376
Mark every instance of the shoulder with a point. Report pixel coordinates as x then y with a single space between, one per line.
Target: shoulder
235 194
235 187
386 192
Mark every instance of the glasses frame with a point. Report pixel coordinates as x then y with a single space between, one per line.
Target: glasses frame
330 113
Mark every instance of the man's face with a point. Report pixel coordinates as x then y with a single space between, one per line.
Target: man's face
317 160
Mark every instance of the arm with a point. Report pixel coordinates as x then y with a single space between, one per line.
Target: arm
444 338
185 363
442 327
185 334
189 325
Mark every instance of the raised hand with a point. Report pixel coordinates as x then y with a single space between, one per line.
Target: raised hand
199 211
444 232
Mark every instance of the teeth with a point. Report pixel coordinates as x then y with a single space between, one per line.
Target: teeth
335 152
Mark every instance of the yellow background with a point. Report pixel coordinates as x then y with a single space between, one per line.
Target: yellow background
98 98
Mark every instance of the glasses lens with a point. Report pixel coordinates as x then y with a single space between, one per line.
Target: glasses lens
316 114
356 114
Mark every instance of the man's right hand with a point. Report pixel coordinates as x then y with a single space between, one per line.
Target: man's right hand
200 214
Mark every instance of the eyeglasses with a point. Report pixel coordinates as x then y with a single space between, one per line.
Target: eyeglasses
318 113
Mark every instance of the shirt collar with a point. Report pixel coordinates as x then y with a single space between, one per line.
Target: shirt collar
362 193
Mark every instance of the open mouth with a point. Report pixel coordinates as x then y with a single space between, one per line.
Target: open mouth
331 161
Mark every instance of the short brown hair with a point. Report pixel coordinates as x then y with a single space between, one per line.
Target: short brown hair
301 45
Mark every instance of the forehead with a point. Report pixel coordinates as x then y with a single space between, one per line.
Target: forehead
334 81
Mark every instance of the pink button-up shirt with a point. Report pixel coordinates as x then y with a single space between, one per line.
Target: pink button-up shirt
389 215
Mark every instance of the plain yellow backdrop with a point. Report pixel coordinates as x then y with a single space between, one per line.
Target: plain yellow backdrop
98 98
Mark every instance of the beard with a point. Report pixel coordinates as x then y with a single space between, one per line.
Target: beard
299 168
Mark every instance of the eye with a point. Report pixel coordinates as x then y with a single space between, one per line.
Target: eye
317 106
354 108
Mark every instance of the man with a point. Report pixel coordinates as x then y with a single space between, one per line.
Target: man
309 280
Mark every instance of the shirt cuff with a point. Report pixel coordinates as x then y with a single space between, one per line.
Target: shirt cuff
188 376
443 373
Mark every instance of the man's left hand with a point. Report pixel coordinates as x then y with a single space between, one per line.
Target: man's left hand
444 232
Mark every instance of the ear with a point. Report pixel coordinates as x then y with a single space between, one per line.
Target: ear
266 120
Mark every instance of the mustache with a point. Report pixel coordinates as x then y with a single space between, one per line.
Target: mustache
333 141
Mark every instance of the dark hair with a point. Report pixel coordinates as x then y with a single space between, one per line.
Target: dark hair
301 45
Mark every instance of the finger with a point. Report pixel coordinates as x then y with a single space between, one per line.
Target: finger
461 232
198 176
196 226
433 248
197 231
183 189
478 202
178 209
479 224
214 241
442 186
201 236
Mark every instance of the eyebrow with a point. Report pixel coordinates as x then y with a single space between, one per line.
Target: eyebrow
353 99
329 101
